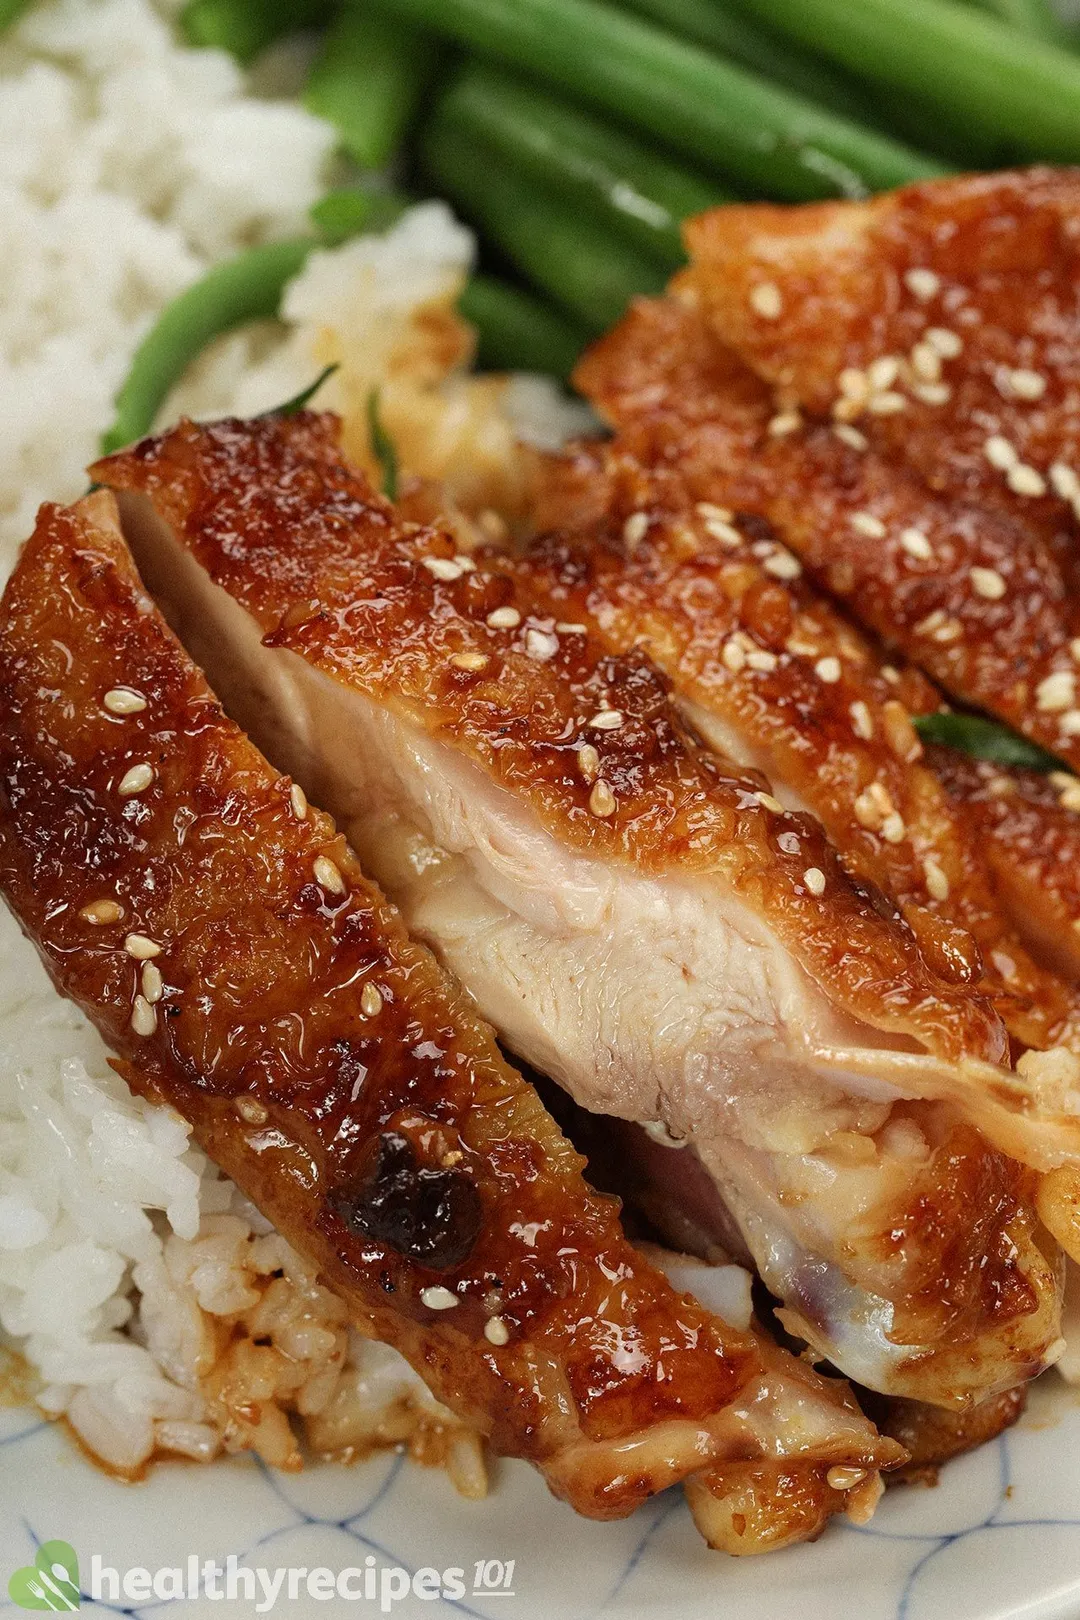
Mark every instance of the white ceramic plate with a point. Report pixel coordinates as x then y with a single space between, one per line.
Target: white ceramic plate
998 1539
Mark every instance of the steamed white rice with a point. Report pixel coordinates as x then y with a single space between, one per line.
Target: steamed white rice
156 1308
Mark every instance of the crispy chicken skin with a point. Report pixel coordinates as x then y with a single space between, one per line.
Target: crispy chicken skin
443 717
982 270
974 596
762 663
1030 828
938 324
223 939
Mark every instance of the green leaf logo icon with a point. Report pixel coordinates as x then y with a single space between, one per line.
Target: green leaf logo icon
50 1582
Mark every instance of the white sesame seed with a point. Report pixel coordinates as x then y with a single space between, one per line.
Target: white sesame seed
1064 481
932 393
1025 480
783 423
893 829
298 801
850 436
948 630
999 787
371 1001
505 618
733 655
1000 453
563 629
141 947
862 723
948 344
891 675
937 884
853 383
1069 723
541 645
445 568
932 622
1074 648
470 660
761 659
866 523
588 762
727 534
782 565
607 720
988 583
438 1298
124 700
765 300
328 875
886 404
601 800
924 284
882 372
814 878
1056 692
708 510
1069 797
828 670
842 1478
100 912
926 362
1027 384
634 530
767 802
496 1330
915 543
143 1017
135 780
151 981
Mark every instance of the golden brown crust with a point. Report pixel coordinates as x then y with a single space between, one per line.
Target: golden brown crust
1029 826
713 594
991 258
251 1020
278 519
973 595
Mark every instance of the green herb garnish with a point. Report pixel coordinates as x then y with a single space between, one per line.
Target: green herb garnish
298 401
984 739
382 447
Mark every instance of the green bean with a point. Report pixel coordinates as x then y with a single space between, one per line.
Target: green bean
583 268
338 215
367 81
517 332
716 26
610 176
245 288
246 27
971 65
11 11
984 739
1035 17
734 122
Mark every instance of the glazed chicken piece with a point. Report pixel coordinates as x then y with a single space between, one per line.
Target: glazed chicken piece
941 318
970 595
762 665
1029 826
222 937
639 918
936 329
